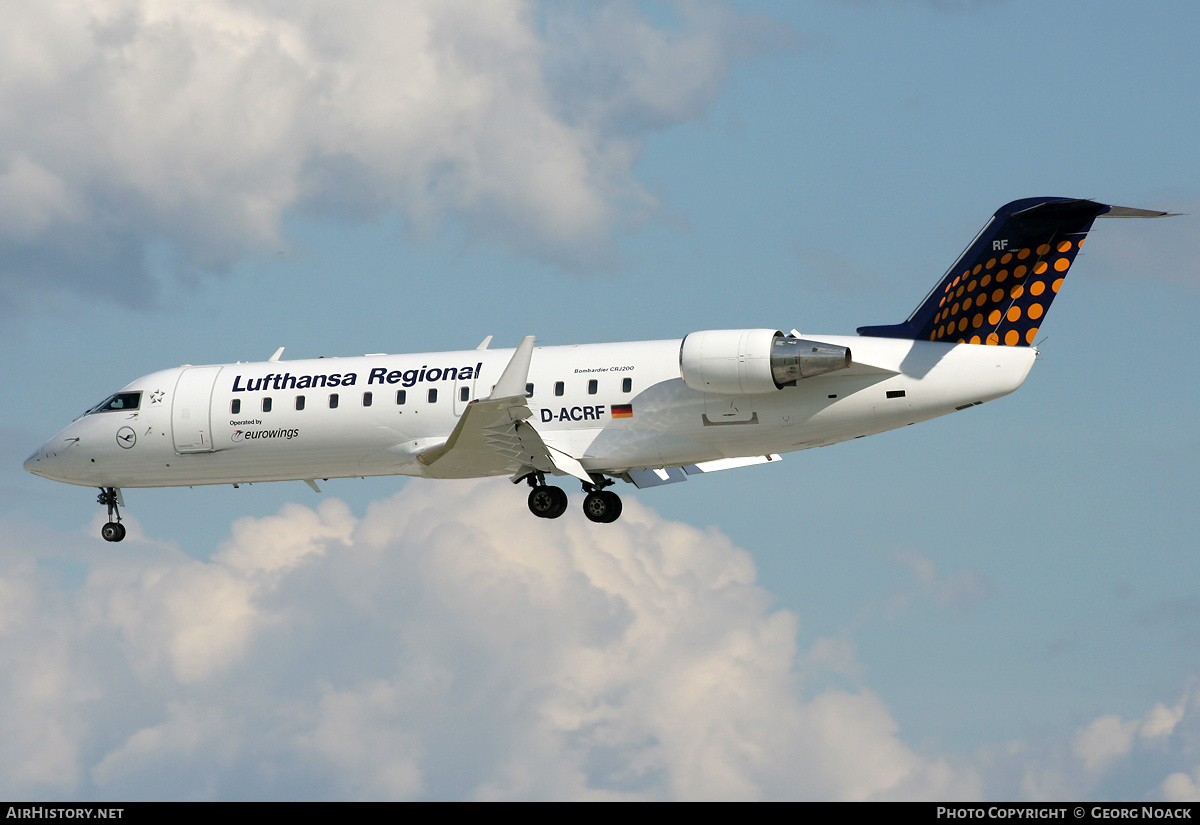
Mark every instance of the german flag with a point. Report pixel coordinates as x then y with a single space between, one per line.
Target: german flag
622 411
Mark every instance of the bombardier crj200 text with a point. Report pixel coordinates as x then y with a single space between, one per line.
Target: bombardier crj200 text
650 412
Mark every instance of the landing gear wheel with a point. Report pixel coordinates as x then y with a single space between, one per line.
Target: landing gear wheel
110 497
547 502
602 507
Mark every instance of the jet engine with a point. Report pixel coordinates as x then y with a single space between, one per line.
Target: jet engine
734 361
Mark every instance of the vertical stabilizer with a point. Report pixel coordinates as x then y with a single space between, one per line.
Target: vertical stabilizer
1001 287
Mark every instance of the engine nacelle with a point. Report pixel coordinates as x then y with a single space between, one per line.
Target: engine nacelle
734 361
795 358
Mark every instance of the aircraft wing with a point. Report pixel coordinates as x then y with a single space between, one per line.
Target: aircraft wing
494 436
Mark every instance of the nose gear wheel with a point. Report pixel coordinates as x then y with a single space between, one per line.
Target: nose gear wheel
114 530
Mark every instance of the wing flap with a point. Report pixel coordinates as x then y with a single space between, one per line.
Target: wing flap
656 477
730 463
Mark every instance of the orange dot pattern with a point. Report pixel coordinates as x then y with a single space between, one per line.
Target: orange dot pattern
1001 287
999 305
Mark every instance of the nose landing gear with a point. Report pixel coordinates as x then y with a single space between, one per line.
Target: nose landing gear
114 530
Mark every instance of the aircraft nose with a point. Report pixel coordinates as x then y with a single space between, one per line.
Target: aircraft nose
47 463
36 463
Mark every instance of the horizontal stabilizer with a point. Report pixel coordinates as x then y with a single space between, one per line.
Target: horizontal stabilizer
1130 212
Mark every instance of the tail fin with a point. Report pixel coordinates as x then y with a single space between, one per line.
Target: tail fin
1000 288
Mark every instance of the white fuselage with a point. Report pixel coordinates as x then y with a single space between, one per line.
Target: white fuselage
237 423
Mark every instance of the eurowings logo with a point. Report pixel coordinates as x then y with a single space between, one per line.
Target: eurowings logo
255 435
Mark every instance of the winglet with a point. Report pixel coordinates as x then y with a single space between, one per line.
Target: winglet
512 382
278 353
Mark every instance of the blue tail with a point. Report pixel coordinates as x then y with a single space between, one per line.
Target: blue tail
1000 288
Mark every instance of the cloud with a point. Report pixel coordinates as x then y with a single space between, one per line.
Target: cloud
960 591
1109 757
139 137
1182 787
1108 737
444 645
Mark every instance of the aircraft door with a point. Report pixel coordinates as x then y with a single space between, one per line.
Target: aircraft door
191 405
461 384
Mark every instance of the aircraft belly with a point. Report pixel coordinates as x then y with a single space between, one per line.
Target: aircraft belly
237 459
907 383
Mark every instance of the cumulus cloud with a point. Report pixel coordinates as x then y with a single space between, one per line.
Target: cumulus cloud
180 133
1181 786
1109 757
1108 737
444 645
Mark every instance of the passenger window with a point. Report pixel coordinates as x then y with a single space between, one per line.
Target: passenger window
401 396
433 396
464 394
333 401
529 390
299 402
235 406
593 385
266 404
558 388
367 399
627 385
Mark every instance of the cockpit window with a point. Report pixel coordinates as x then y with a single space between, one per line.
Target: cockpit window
121 402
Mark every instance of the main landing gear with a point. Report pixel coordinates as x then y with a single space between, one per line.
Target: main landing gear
599 505
547 502
114 530
602 506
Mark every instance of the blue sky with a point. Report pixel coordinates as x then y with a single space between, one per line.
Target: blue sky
993 605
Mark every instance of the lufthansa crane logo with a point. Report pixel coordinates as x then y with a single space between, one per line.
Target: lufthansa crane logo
126 438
